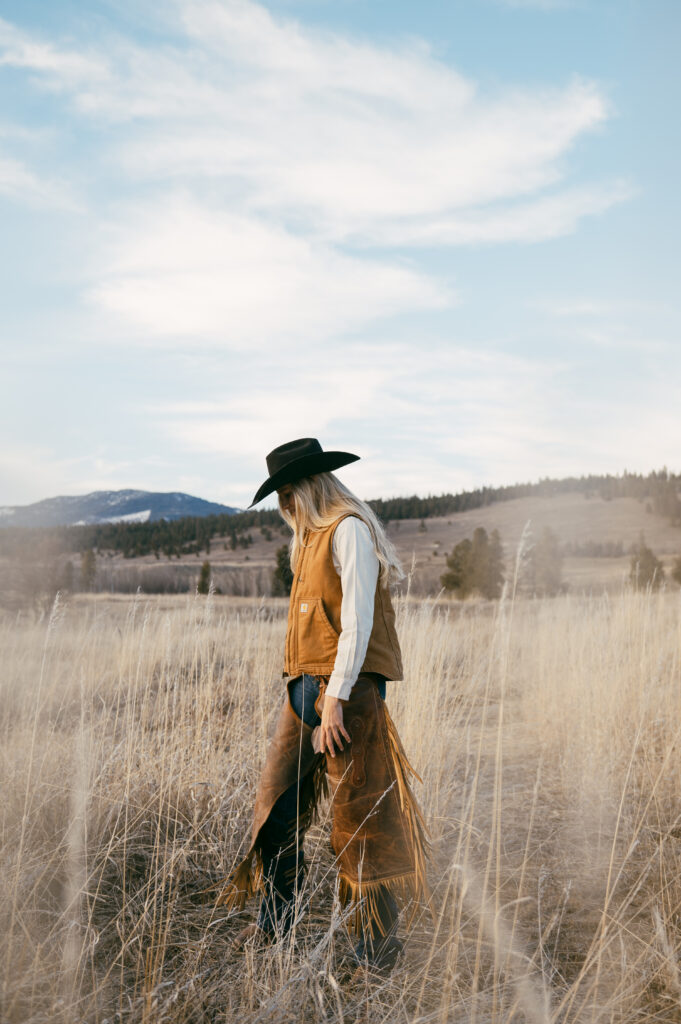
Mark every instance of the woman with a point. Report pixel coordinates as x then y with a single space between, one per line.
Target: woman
341 649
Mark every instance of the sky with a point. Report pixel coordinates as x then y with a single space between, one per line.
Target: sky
444 236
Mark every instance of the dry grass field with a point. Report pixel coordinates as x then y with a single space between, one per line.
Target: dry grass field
547 737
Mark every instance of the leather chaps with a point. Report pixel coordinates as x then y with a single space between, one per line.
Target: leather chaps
378 834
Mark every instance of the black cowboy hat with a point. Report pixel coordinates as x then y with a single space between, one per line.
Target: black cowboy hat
298 459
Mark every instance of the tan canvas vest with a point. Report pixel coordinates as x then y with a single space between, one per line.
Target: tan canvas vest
314 615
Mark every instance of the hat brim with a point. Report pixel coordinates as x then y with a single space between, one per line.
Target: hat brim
298 469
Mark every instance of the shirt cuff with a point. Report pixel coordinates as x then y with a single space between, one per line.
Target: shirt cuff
340 687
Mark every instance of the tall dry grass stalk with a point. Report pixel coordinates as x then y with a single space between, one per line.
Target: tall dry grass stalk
547 736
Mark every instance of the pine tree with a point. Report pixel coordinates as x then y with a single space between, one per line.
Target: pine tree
203 586
282 577
479 563
646 569
476 565
545 565
460 575
495 567
88 569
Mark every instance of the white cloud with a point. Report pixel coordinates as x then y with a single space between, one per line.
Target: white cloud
276 147
66 68
262 162
535 221
455 419
35 471
625 325
406 415
30 472
180 268
27 471
18 182
350 136
312 401
15 179
341 135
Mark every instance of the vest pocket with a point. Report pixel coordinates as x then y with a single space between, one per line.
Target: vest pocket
317 639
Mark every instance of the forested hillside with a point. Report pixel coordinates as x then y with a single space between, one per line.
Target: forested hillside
193 535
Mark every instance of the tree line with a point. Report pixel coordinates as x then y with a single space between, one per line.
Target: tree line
169 538
660 488
195 534
594 549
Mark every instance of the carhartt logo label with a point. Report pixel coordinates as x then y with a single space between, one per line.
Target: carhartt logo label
303 608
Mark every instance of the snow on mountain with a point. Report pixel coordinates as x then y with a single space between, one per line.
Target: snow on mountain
131 517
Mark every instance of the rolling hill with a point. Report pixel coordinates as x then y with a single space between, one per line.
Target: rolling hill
110 507
424 543
157 542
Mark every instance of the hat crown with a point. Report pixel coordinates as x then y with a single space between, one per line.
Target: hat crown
280 457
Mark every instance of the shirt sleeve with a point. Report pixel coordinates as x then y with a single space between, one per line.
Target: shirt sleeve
356 563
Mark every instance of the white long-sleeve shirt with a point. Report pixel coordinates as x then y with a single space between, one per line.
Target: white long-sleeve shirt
356 563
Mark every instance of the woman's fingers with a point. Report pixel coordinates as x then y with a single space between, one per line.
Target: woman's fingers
329 741
330 738
333 732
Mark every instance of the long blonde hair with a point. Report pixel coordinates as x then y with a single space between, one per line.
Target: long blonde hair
320 501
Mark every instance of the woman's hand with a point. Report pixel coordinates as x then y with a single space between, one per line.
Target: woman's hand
332 727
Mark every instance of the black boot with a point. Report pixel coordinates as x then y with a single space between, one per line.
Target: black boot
379 947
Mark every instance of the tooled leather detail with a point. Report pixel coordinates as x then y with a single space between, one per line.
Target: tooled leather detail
359 766
369 833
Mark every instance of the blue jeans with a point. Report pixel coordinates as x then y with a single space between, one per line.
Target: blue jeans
304 692
281 841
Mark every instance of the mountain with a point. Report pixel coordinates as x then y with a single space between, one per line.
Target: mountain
110 507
